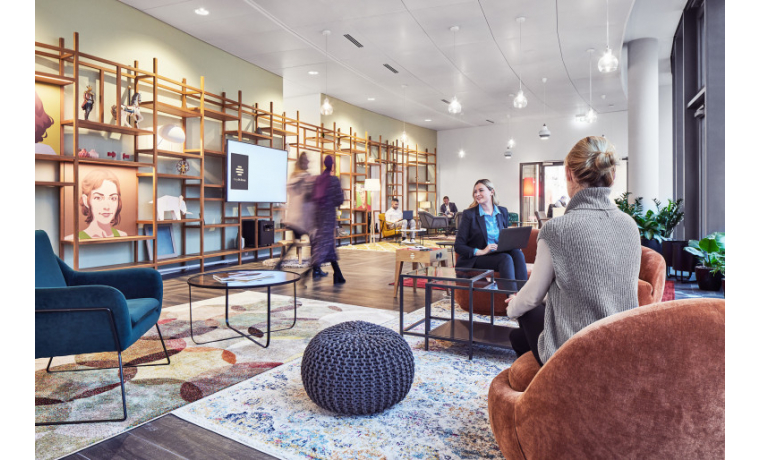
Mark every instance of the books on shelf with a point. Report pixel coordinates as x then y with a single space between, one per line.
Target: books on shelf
241 276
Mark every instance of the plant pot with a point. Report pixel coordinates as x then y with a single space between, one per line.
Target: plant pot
652 244
708 281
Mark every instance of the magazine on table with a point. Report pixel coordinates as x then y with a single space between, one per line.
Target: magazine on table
242 276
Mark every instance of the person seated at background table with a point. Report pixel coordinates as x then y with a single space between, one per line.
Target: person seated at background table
587 261
561 203
478 236
394 218
448 208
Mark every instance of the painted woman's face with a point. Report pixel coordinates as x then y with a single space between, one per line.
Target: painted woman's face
481 194
103 203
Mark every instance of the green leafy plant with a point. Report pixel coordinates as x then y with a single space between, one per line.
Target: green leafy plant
711 251
632 209
653 225
669 216
649 226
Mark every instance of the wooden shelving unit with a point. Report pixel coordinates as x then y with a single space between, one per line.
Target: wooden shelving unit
213 231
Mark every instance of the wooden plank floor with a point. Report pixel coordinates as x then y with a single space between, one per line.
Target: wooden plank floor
368 274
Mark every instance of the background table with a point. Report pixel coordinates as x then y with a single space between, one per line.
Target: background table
273 278
432 257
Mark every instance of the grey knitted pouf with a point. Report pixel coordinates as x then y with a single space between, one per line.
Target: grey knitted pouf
357 368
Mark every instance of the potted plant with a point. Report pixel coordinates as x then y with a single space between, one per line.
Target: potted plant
711 253
655 227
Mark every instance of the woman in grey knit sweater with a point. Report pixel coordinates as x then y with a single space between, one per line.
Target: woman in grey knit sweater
587 261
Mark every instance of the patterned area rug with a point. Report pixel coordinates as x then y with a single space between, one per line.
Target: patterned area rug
196 371
445 414
385 246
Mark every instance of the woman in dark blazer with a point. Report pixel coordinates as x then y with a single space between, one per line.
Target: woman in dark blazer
478 236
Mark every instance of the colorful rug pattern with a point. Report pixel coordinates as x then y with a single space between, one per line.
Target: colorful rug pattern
445 414
196 371
385 246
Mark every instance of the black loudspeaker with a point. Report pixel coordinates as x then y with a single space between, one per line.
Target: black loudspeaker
266 233
249 233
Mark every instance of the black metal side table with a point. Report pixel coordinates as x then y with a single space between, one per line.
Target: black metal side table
459 330
269 279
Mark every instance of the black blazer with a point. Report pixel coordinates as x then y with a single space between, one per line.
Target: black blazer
472 234
452 207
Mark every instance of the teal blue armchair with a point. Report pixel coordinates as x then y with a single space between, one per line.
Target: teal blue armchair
79 312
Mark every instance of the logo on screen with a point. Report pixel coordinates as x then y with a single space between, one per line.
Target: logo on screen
239 179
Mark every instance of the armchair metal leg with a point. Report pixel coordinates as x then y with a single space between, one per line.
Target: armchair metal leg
123 401
121 378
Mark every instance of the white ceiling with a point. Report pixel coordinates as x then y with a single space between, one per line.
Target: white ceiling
479 64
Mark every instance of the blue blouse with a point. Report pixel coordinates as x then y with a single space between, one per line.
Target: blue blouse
492 225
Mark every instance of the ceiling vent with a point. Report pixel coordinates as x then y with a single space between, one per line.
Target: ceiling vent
490 121
387 66
445 101
353 40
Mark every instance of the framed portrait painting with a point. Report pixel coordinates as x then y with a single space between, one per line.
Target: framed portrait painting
47 110
107 203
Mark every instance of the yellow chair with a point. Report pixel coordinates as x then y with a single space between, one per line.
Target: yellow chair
385 230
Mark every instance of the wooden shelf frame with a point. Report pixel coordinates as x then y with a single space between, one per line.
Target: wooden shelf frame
359 156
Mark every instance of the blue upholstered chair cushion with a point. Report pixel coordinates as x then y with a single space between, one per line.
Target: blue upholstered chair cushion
47 272
139 309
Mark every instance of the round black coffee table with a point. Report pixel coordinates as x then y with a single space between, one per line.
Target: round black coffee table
267 279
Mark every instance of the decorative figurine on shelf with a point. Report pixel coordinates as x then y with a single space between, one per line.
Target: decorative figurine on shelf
89 100
82 153
174 204
124 156
130 113
183 166
93 154
111 154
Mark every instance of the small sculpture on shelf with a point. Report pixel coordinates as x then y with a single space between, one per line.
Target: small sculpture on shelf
124 156
130 113
174 204
89 100
93 154
82 153
183 166
111 154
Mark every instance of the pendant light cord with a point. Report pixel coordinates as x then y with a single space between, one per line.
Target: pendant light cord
520 73
608 23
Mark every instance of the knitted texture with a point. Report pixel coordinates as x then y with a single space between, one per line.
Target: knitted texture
596 253
357 368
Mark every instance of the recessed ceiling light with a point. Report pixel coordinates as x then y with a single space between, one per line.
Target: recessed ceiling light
313 72
428 119
370 98
202 11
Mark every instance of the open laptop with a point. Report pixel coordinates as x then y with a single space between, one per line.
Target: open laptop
513 238
407 215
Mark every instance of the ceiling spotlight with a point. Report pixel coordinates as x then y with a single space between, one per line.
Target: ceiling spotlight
461 153
370 98
455 107
404 138
313 72
202 11
428 119
511 144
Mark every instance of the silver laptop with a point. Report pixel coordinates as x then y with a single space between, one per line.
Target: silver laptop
513 238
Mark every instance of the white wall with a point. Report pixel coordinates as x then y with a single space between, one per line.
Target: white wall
666 143
484 147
